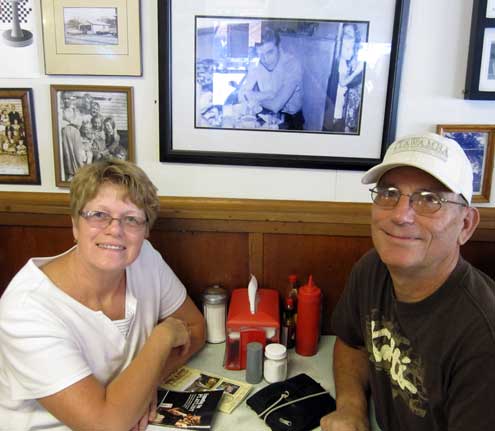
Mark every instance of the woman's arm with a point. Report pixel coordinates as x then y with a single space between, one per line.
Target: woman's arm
188 313
88 404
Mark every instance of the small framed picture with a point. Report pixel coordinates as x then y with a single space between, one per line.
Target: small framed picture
477 142
92 37
19 162
480 74
90 123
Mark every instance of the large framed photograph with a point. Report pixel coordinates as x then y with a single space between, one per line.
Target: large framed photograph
477 142
92 37
19 163
480 75
279 83
90 123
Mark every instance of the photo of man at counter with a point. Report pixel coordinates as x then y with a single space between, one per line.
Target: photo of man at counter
275 84
270 74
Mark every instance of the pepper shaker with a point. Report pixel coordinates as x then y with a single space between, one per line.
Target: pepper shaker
215 311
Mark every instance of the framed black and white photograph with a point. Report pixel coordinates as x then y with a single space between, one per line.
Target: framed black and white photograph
90 123
279 84
92 37
19 163
477 141
91 26
263 84
480 74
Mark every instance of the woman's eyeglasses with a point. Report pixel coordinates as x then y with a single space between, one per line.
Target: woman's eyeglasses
101 220
422 202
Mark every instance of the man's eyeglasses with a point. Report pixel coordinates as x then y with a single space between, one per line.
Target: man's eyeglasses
422 202
101 220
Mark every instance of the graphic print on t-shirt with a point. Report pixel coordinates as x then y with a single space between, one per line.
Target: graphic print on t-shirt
391 352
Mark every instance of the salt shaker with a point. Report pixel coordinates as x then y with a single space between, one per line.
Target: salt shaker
254 362
214 310
275 366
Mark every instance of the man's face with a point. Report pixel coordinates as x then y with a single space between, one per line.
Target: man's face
269 54
413 243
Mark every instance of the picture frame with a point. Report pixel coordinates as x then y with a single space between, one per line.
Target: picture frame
478 143
190 49
19 160
92 37
90 123
480 73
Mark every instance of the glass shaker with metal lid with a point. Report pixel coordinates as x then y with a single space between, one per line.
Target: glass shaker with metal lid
215 312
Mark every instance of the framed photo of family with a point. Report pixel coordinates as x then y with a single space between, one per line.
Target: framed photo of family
90 123
480 74
277 83
19 162
478 142
92 37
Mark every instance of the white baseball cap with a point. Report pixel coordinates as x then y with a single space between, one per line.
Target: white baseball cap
441 157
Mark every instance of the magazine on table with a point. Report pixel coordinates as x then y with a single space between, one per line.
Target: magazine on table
190 410
193 380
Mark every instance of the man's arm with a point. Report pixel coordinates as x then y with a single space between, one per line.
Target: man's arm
270 100
350 369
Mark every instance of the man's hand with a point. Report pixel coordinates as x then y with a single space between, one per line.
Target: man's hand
344 420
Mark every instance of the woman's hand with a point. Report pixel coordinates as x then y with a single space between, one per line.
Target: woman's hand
177 332
149 415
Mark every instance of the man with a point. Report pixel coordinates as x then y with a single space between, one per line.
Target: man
416 323
14 115
275 84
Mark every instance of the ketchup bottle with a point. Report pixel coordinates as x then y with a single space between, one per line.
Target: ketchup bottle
308 318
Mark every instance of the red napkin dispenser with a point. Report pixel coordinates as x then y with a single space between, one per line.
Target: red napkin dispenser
244 326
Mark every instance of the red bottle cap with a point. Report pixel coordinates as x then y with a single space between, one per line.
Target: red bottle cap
310 291
293 278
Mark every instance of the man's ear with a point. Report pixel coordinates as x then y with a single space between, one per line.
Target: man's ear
470 223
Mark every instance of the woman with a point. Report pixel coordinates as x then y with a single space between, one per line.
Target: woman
112 139
86 336
71 137
99 146
345 83
86 142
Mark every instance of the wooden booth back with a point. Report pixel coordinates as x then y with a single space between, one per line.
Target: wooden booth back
223 241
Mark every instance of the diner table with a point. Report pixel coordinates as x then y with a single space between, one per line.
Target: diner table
243 418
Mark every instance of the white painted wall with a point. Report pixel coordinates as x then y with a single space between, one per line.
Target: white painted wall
431 93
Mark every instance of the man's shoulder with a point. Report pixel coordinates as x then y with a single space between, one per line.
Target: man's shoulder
369 268
480 290
368 260
288 59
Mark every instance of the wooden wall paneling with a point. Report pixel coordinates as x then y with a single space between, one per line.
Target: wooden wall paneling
201 259
20 243
221 241
328 259
256 255
481 254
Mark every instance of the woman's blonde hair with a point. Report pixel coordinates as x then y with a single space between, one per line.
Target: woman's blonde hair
139 189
